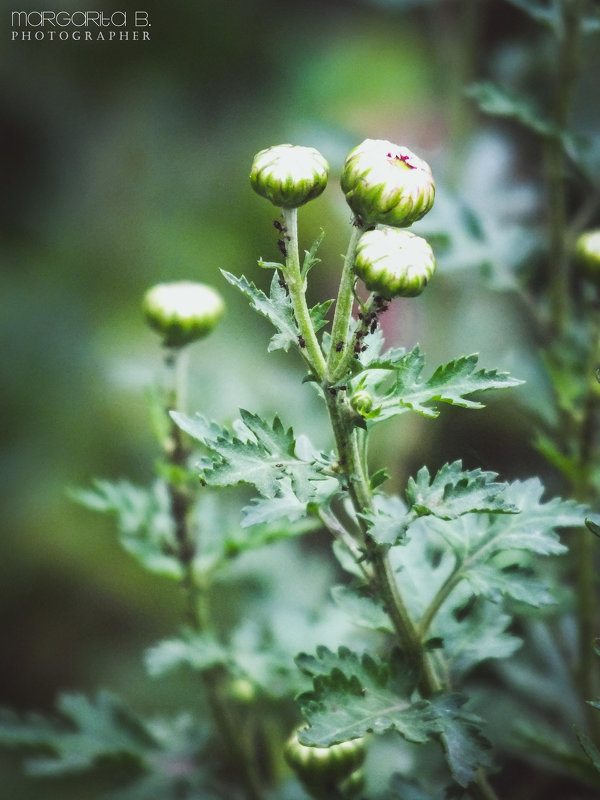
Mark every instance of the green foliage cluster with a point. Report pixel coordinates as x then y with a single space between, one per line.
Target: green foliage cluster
467 553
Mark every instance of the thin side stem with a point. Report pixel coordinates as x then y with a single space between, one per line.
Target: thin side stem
587 671
181 501
341 344
568 56
309 345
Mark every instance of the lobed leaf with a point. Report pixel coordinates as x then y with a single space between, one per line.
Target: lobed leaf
263 459
144 521
454 492
354 695
451 383
97 730
195 650
277 308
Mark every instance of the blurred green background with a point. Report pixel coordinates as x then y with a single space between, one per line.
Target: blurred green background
126 164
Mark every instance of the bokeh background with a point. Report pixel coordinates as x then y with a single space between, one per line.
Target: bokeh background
125 164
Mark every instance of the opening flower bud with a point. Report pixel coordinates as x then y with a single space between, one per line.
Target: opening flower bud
587 254
182 311
394 263
289 175
387 184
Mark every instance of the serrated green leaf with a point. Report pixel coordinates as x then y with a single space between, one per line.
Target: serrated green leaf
450 383
102 733
454 492
277 308
465 745
197 651
495 101
310 256
492 581
388 520
478 636
318 314
261 460
362 609
97 730
533 529
267 511
143 518
589 748
355 695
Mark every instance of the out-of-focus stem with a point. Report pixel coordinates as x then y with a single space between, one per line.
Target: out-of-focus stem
181 501
568 59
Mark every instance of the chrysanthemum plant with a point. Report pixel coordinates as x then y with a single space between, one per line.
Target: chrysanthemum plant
435 575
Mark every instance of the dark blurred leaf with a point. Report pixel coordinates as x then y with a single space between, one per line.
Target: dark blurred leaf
95 731
195 650
144 521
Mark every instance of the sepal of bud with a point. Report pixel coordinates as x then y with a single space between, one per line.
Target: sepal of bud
394 263
182 311
387 184
587 254
289 175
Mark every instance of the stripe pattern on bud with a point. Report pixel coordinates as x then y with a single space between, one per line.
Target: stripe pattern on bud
323 767
387 184
394 263
182 311
289 175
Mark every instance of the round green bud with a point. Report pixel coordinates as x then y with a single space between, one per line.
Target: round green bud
361 401
182 311
324 766
587 254
394 263
289 175
387 184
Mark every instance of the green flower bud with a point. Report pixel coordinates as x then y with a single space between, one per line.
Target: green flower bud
182 311
289 175
322 767
361 401
394 263
587 254
386 184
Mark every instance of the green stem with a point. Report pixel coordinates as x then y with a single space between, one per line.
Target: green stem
568 57
309 345
587 673
181 500
350 460
385 584
341 344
